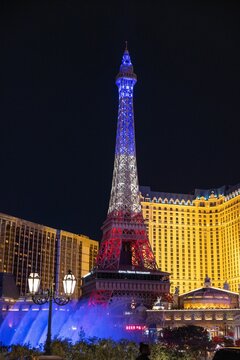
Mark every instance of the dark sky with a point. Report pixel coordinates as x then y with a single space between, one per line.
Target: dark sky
59 102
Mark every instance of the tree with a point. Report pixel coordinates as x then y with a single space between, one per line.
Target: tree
22 352
190 337
3 351
102 349
160 352
61 347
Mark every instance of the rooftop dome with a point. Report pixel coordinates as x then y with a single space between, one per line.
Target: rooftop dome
207 298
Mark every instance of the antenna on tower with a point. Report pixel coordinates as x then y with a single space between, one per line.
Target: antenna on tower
126 45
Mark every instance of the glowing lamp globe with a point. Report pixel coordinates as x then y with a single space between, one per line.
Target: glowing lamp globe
33 283
69 283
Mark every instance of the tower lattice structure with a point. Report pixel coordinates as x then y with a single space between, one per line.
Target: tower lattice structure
125 243
126 269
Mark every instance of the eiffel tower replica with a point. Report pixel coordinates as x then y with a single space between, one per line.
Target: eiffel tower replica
126 269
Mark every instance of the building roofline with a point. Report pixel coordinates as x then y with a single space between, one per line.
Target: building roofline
34 224
210 287
224 190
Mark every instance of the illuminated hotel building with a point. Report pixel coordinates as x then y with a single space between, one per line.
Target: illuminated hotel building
195 235
28 247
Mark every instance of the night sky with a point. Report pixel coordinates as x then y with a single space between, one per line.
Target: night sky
59 102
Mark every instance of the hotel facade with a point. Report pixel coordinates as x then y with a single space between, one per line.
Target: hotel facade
195 235
29 247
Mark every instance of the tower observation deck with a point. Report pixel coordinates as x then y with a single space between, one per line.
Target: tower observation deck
125 265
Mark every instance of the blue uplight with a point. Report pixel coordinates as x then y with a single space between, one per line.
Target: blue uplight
126 79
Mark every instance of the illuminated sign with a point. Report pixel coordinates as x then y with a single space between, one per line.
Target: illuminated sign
135 327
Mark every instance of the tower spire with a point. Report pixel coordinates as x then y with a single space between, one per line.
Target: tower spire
125 242
125 261
125 189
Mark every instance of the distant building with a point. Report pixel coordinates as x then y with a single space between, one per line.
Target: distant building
29 247
215 309
195 235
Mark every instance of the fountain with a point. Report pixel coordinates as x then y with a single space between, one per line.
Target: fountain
26 324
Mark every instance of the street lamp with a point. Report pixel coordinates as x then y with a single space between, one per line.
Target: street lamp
51 296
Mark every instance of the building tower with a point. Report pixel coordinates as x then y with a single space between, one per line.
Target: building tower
125 243
125 252
195 234
27 247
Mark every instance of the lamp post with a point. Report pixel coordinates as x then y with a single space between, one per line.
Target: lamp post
51 296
